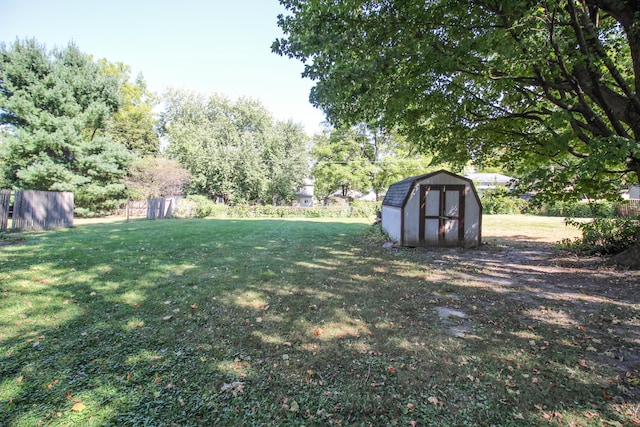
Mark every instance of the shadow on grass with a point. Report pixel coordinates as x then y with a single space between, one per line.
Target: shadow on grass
268 322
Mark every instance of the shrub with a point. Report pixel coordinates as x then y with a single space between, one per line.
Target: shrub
199 206
501 201
604 235
580 209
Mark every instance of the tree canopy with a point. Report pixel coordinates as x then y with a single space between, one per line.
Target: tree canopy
54 111
234 150
133 124
548 88
363 158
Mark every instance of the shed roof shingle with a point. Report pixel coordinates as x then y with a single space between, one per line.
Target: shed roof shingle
398 192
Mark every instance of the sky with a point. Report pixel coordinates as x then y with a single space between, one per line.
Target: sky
209 46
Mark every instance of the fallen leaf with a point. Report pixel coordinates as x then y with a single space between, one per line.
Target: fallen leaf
167 318
435 401
194 306
78 406
293 406
234 388
590 414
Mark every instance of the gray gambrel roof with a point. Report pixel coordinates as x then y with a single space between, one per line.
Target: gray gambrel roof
399 192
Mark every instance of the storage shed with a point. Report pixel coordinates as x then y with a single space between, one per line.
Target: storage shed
435 209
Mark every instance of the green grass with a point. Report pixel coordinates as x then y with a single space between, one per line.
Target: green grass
283 322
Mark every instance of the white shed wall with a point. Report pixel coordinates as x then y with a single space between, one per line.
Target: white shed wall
392 222
472 220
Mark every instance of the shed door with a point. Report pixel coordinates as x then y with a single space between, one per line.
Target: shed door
442 215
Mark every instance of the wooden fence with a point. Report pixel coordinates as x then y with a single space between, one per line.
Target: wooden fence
152 208
5 204
629 208
36 210
161 207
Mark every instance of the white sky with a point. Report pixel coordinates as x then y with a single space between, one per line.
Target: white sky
210 46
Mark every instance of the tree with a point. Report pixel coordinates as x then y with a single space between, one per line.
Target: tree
549 88
156 177
133 124
286 160
54 111
364 158
234 150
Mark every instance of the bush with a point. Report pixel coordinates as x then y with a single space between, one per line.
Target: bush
199 206
604 236
501 201
580 209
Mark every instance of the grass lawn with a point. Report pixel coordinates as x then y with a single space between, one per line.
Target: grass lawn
301 322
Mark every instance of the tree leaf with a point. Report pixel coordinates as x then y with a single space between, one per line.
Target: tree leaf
78 406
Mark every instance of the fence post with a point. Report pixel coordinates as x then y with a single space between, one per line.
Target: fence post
5 203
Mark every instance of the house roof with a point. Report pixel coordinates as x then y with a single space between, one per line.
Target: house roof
492 178
399 192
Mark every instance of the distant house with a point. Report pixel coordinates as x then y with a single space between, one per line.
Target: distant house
305 196
490 181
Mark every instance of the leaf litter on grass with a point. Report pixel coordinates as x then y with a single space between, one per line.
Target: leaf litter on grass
349 332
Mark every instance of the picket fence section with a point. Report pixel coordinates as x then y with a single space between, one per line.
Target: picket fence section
33 210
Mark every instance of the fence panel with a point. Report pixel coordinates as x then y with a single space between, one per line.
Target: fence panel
5 203
161 207
629 208
42 210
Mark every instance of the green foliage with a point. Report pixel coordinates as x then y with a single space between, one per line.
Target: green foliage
133 124
537 87
605 235
501 201
198 206
234 150
54 112
579 209
363 158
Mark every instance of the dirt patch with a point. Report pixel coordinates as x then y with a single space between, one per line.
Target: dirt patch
526 287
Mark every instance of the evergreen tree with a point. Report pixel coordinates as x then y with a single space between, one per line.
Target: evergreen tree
54 110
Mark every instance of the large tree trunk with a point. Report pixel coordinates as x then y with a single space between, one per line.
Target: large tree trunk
629 259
